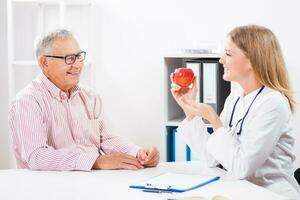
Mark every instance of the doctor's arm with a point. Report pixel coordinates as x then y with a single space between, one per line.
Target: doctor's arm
257 142
193 130
195 134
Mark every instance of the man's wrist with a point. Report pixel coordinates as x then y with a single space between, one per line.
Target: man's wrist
138 152
97 164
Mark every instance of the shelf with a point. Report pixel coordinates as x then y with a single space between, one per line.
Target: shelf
174 122
177 122
28 19
186 55
54 2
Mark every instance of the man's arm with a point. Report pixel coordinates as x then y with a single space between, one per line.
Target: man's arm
120 153
110 143
28 127
117 161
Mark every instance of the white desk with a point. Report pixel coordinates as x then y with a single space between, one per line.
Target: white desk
114 184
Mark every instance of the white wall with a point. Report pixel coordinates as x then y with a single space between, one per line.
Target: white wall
135 35
4 136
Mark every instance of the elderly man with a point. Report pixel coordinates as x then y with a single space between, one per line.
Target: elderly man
58 125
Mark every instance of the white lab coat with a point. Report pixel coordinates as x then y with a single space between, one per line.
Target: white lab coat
262 153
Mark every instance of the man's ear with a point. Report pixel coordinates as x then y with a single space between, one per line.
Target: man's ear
43 63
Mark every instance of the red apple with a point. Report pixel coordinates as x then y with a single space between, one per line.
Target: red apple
183 77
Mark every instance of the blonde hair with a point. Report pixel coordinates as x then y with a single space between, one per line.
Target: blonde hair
261 46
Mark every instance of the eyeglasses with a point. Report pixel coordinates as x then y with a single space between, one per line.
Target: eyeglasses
71 58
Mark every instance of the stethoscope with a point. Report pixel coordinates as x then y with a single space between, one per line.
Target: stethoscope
242 119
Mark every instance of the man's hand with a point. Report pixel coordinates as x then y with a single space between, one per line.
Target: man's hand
117 161
148 157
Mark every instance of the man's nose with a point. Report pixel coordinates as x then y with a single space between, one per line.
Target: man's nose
77 64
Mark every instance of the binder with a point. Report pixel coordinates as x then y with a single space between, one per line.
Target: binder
188 153
195 66
177 149
181 151
175 182
214 90
171 144
209 71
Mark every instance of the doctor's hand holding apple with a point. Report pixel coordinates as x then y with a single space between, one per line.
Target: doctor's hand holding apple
184 87
184 90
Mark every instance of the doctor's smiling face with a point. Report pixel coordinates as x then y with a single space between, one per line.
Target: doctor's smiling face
237 66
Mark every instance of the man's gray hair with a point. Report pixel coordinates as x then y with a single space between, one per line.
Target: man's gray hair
44 44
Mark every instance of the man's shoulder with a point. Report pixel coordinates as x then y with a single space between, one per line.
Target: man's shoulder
33 91
89 92
93 98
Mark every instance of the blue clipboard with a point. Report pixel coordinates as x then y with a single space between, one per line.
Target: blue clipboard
174 182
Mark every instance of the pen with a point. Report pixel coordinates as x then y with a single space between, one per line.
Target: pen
158 186
156 191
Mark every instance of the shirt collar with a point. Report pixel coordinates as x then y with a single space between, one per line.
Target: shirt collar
249 97
55 91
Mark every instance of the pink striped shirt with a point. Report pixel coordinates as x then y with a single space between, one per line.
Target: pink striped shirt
53 132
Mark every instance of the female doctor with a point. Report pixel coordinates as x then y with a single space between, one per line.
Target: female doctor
253 137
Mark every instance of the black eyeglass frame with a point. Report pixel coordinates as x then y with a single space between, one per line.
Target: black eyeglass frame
68 56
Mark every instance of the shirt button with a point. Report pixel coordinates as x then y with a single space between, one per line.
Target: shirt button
62 95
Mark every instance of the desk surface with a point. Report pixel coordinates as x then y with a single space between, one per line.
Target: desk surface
114 184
